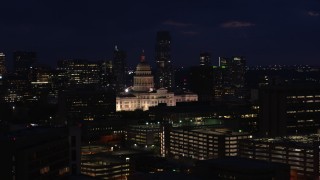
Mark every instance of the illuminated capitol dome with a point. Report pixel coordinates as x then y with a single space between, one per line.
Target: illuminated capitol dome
143 79
143 94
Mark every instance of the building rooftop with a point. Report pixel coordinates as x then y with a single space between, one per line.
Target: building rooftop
162 176
31 136
218 131
312 87
146 126
297 141
81 177
241 164
31 130
129 95
104 158
103 151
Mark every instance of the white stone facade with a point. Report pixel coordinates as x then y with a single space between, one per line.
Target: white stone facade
143 101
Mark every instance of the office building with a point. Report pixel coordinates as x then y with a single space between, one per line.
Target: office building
229 79
206 143
201 78
145 136
75 138
107 78
23 62
86 104
112 164
105 167
201 82
205 59
2 70
164 69
289 110
119 69
300 152
2 65
35 153
238 71
18 88
80 72
41 78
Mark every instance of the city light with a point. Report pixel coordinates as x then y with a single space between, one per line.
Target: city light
177 90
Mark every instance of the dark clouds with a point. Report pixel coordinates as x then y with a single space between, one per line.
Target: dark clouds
175 23
267 32
236 24
313 13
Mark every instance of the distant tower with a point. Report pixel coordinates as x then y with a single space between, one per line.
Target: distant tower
205 59
143 79
2 65
239 71
229 78
119 61
106 73
165 73
23 61
201 78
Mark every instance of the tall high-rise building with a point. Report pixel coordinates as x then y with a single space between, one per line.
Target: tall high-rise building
205 59
229 78
80 71
238 71
2 64
2 67
165 73
23 61
201 78
201 82
106 73
119 61
289 110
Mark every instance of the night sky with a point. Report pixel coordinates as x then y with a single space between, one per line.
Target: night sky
265 31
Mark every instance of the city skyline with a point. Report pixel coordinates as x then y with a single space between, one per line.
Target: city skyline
131 90
82 29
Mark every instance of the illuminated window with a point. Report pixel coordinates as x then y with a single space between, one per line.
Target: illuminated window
64 171
44 170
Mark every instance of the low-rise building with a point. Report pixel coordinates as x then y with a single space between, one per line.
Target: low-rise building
102 163
205 143
300 152
103 167
144 135
35 153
